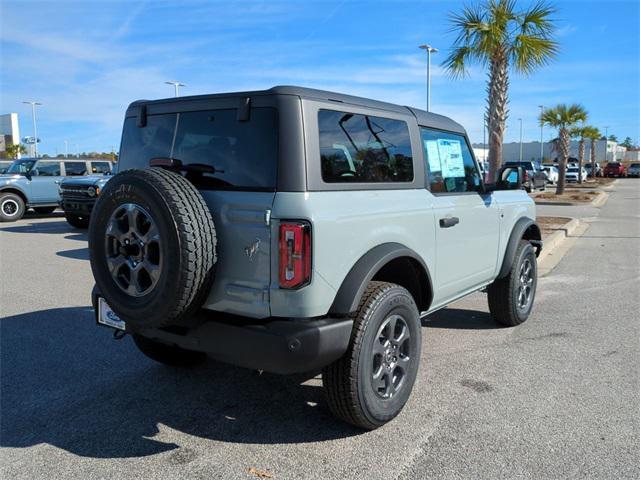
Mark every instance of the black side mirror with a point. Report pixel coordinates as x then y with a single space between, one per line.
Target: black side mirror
509 178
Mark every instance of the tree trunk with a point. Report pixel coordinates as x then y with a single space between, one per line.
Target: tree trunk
563 137
580 159
593 157
497 111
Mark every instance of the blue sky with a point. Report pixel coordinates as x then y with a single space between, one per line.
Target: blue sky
86 60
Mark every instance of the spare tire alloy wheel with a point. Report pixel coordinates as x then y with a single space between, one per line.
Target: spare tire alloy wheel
152 245
132 250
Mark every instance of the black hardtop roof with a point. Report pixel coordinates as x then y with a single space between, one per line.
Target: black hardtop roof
424 118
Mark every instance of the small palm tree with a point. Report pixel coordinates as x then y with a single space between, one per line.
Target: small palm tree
578 132
593 134
563 117
14 150
494 33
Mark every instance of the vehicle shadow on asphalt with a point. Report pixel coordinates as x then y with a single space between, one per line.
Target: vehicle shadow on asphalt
76 253
66 382
57 227
461 319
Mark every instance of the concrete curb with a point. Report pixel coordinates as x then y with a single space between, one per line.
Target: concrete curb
557 244
598 201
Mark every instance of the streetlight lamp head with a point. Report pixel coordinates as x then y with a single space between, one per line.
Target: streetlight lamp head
428 48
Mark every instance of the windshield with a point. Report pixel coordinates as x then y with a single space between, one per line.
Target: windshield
572 169
21 167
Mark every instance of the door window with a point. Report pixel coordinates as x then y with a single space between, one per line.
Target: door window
75 168
449 162
364 149
48 169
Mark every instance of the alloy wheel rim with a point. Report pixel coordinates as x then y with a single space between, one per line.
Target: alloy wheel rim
133 252
525 284
10 207
391 356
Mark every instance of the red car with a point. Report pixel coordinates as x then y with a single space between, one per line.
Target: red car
614 169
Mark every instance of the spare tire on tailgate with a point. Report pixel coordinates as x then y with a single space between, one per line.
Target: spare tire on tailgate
152 245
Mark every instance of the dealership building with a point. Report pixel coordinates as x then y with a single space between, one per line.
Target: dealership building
606 151
9 132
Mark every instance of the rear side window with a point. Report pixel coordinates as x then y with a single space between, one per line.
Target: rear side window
449 162
48 169
244 154
364 149
75 168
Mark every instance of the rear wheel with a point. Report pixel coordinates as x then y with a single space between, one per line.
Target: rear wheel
371 383
44 210
11 207
168 354
511 298
77 221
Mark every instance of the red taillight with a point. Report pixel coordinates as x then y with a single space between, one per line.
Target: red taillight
295 254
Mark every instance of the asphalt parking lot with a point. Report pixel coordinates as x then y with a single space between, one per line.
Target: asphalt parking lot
558 397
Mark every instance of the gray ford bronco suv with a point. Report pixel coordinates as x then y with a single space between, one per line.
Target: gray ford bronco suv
296 230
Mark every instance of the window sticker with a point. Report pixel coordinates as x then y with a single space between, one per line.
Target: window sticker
451 158
433 156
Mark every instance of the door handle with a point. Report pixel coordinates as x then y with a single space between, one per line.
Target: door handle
449 222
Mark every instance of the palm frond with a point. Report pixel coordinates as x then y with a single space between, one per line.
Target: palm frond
536 20
529 52
456 62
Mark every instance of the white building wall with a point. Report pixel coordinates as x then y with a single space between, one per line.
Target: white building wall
9 126
531 151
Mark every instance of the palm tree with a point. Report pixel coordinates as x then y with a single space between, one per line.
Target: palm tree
593 134
16 149
563 117
578 132
496 34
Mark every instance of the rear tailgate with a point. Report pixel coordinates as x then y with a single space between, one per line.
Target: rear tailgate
243 270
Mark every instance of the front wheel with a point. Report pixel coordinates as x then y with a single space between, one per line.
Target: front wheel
11 207
511 298
168 354
373 380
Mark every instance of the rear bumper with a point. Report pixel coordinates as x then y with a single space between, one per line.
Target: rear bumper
282 346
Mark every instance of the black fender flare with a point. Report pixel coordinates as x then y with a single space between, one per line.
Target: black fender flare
353 286
525 228
17 191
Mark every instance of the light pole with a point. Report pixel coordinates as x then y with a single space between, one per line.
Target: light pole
606 143
66 149
541 134
35 130
520 120
176 86
429 50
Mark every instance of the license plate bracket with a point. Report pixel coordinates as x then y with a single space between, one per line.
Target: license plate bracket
109 318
